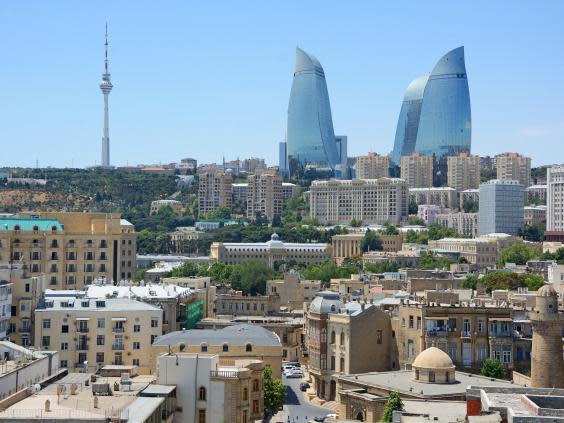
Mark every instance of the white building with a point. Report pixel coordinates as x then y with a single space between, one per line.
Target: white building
555 199
536 193
463 223
158 204
556 277
428 212
5 307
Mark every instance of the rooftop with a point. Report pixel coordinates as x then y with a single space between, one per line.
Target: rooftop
72 304
27 224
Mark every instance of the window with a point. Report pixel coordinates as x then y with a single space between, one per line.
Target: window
342 365
342 338
410 322
136 362
202 394
204 348
225 348
332 362
99 357
255 385
248 348
46 323
431 376
136 328
245 394
201 416
154 323
64 346
64 364
136 345
100 340
506 357
255 406
410 348
46 341
101 323
153 337
416 374
418 322
64 328
378 336
481 326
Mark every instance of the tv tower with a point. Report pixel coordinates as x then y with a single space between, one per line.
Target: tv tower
106 87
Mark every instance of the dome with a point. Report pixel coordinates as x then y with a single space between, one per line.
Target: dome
547 290
433 358
274 237
326 302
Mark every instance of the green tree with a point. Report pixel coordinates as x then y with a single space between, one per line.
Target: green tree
383 267
415 237
487 173
274 392
511 281
417 221
220 213
429 261
390 229
440 232
412 207
356 223
493 368
370 242
471 282
394 403
470 206
534 233
519 254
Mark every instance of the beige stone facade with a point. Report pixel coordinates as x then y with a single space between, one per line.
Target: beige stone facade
293 291
98 331
238 304
463 223
368 200
534 215
463 172
348 245
372 166
215 190
514 166
445 197
264 196
417 170
156 205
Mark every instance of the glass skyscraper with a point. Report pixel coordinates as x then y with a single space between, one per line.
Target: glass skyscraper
310 137
408 122
435 115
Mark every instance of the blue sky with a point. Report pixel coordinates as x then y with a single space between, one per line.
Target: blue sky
212 78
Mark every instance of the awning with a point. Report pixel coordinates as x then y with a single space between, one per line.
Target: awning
504 319
119 319
82 318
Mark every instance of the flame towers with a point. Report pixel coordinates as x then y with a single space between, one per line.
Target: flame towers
310 138
106 87
435 118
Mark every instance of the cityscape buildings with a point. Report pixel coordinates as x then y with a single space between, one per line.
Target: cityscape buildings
417 170
372 166
463 172
215 190
311 138
514 166
501 207
264 197
555 199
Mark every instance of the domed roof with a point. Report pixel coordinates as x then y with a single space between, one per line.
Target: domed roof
547 290
326 302
433 358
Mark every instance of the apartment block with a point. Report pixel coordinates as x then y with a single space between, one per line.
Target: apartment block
514 166
264 196
428 212
417 170
5 308
90 333
501 207
372 166
463 223
215 190
290 190
535 215
463 172
445 197
368 200
293 291
536 193
469 195
555 199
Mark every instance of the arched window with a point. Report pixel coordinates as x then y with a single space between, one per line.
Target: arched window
332 336
245 394
202 393
248 348
35 228
342 341
255 385
225 348
323 336
431 376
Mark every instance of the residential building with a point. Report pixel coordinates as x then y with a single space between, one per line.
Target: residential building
440 196
417 170
290 190
253 164
181 239
5 308
483 251
264 197
236 342
463 172
469 196
240 191
22 367
336 341
188 165
428 212
372 166
401 258
293 291
70 249
215 190
273 252
156 205
203 291
514 167
534 215
210 390
463 223
367 200
536 194
310 135
555 199
90 333
501 207
247 305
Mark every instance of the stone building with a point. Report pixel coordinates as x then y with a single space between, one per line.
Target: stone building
445 197
236 303
535 215
547 325
264 196
536 194
156 205
463 172
417 170
514 166
372 166
463 223
215 190
469 195
336 335
348 245
293 291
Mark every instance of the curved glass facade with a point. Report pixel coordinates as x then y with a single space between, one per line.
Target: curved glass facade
408 122
310 138
445 125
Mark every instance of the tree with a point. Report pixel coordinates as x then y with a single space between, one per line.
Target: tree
493 368
429 261
394 404
519 254
383 267
415 237
356 223
390 229
534 233
220 213
487 173
470 206
274 392
471 282
412 207
511 281
417 221
440 232
370 242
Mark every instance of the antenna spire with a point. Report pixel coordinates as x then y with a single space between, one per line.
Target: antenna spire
106 45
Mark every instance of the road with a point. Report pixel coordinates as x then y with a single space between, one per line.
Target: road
296 407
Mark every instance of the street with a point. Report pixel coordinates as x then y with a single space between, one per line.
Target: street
296 408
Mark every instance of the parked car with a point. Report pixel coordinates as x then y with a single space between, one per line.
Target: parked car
304 386
287 367
319 419
296 373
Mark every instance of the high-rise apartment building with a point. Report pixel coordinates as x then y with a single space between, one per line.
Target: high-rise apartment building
555 199
514 166
417 170
368 200
70 249
372 166
463 172
264 196
214 191
501 207
311 137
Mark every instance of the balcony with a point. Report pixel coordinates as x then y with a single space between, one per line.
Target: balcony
24 330
118 347
466 334
225 374
500 334
82 346
436 333
82 329
118 330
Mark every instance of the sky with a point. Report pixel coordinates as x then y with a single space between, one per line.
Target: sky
212 79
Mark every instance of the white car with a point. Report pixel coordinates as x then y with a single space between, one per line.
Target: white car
296 373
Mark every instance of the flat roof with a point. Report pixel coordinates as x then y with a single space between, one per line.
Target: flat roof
110 304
